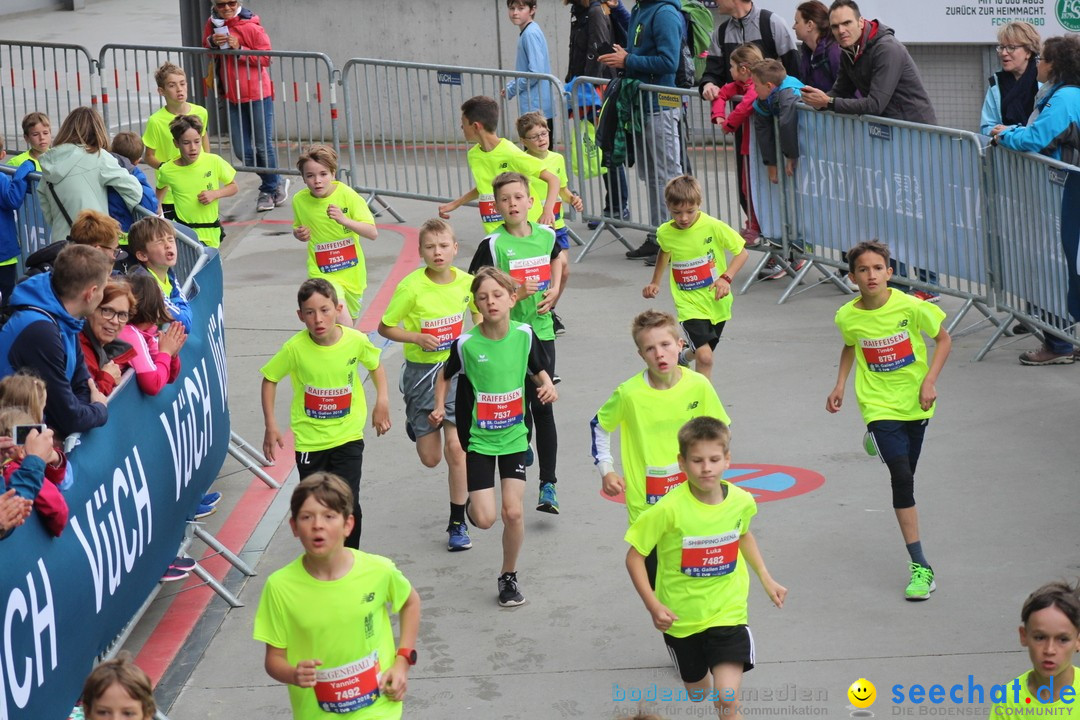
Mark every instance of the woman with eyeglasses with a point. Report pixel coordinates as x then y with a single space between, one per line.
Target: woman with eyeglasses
106 354
1010 98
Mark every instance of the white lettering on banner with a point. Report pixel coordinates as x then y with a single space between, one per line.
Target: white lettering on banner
111 556
42 619
216 339
191 430
866 187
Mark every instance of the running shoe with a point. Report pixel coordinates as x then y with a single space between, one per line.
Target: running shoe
282 192
685 356
922 583
1045 356
211 498
174 574
182 563
647 249
265 203
509 595
548 502
205 511
557 324
459 537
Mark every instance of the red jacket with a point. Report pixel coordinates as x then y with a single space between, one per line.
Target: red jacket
740 116
102 379
50 501
245 78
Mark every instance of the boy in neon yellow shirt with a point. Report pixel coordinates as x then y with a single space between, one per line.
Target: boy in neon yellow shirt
644 409
172 85
197 180
535 133
701 534
328 406
883 337
37 132
331 218
1050 631
696 245
306 606
430 305
530 255
492 155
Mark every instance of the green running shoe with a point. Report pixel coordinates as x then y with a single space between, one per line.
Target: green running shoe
922 583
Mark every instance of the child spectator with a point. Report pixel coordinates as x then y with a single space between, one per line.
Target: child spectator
533 259
25 395
91 228
328 405
37 132
645 408
306 605
430 305
157 356
197 181
43 336
492 155
738 121
128 150
152 242
532 57
12 195
495 360
106 354
331 218
172 85
701 534
883 337
536 137
777 95
701 278
118 688
1050 630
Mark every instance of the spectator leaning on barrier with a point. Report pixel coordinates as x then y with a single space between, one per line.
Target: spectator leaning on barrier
42 335
877 66
1055 132
12 194
1010 98
819 53
747 24
250 94
655 36
77 171
106 355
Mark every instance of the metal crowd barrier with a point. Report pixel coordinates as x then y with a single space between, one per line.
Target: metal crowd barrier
403 131
1031 272
700 147
49 78
304 102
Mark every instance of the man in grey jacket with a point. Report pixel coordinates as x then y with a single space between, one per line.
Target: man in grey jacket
875 64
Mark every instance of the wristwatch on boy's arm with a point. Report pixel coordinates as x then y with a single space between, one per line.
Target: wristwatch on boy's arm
409 654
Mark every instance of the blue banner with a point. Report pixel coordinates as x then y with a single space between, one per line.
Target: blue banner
136 480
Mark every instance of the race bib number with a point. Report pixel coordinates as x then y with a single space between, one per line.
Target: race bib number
498 411
336 255
888 354
710 556
488 213
327 404
694 274
659 481
536 268
348 688
445 330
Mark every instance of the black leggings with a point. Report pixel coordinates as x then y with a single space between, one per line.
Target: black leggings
541 416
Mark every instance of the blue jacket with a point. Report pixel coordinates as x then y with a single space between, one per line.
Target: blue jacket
118 209
532 56
781 103
656 32
12 194
1055 132
50 347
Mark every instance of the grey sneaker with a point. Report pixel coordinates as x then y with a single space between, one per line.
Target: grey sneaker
282 192
1044 356
265 203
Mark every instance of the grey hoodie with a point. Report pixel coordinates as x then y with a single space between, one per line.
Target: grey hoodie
80 179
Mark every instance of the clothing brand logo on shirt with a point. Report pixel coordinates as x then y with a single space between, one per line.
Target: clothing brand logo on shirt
692 405
370 597
902 323
481 358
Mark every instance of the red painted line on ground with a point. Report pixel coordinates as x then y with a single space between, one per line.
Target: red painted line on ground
175 626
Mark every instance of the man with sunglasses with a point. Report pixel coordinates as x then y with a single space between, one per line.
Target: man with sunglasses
249 91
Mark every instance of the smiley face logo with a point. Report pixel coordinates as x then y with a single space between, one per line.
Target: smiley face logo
862 693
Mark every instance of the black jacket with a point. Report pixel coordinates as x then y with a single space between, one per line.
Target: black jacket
590 36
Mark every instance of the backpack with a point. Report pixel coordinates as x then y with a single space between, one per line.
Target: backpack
767 43
697 37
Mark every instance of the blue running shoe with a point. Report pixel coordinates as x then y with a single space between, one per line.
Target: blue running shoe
211 498
548 502
459 537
